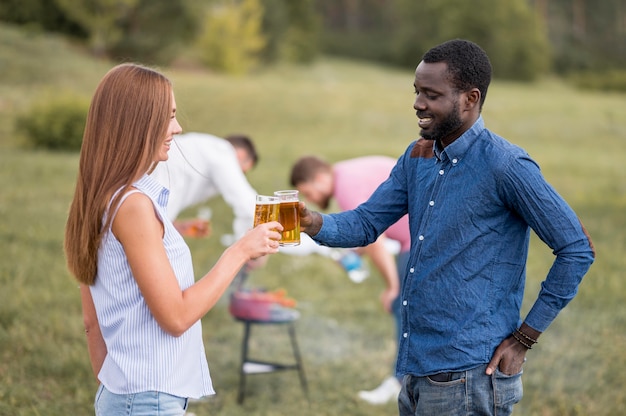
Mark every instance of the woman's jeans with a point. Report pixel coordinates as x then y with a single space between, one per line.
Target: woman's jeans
470 392
149 403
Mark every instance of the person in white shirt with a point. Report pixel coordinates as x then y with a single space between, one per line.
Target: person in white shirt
202 166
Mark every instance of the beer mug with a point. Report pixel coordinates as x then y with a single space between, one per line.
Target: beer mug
266 209
289 217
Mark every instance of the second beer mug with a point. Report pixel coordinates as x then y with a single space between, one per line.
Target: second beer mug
266 209
288 217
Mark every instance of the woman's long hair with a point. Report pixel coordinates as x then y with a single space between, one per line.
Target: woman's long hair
127 122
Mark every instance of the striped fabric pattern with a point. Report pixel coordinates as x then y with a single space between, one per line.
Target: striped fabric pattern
140 355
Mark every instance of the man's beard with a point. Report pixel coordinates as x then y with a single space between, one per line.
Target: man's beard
324 204
446 126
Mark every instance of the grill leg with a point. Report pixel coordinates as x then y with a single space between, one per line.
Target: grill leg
244 358
296 354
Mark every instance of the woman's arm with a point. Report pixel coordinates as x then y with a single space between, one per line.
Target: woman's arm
95 343
140 231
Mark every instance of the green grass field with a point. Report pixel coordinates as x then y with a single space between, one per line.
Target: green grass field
336 109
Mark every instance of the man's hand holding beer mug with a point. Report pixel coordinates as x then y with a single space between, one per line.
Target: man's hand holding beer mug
310 221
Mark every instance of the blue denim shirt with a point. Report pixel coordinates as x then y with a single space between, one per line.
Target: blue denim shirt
471 207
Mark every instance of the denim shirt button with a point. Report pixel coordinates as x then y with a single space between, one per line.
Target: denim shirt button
411 270
421 238
441 172
405 335
431 203
404 303
454 161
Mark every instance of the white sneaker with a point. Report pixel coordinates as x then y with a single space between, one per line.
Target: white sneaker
388 390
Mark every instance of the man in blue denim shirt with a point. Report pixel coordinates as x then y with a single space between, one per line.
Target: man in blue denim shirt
472 199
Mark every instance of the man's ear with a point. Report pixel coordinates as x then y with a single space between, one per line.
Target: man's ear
472 99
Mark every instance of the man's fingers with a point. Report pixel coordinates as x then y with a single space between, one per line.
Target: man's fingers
495 361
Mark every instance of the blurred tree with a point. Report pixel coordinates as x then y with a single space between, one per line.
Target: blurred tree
41 14
583 35
291 29
301 39
524 37
155 31
359 28
586 35
100 18
231 39
143 30
275 25
510 32
398 32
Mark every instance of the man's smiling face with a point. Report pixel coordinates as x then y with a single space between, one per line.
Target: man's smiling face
437 103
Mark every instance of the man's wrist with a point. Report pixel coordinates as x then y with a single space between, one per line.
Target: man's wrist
316 224
526 336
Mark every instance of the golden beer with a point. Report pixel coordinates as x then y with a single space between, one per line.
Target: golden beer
266 209
289 217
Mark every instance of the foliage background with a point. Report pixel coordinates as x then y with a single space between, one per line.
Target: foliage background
525 38
337 108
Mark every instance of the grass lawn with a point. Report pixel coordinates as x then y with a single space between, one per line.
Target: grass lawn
337 109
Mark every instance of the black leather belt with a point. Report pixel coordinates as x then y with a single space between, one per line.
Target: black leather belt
446 377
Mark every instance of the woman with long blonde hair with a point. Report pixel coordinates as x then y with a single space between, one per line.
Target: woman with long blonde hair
141 303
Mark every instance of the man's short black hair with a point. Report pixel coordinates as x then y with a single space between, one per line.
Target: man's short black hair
468 65
244 142
306 168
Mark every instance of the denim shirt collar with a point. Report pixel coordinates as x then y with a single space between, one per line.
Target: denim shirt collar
458 148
